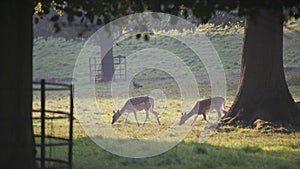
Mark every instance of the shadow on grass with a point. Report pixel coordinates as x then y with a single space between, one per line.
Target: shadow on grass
190 155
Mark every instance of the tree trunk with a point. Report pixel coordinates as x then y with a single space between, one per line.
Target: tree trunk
17 142
108 60
262 92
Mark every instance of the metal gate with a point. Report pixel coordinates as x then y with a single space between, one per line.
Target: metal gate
96 71
54 151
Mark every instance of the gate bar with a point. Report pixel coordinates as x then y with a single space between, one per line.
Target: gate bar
43 100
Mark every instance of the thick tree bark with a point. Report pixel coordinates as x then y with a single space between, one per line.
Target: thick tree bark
108 60
17 142
262 92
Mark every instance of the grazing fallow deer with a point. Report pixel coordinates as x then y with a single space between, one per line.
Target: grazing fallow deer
134 105
204 106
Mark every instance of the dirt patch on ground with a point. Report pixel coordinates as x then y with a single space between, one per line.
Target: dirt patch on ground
266 127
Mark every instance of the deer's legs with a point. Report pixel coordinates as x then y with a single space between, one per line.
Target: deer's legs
156 115
204 117
127 114
224 112
147 115
135 116
194 119
219 114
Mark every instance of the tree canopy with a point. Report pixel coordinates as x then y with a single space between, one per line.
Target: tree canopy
100 12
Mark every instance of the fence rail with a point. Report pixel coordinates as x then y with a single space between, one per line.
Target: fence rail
42 116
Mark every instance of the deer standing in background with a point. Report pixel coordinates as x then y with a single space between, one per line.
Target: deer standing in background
204 106
134 105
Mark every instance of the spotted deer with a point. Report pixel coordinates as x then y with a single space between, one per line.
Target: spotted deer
134 105
202 107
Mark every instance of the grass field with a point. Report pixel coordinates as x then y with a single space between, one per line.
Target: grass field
227 147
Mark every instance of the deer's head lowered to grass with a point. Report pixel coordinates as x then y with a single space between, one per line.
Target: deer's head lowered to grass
134 105
116 116
204 106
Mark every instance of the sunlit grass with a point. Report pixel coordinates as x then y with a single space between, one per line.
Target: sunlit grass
227 147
